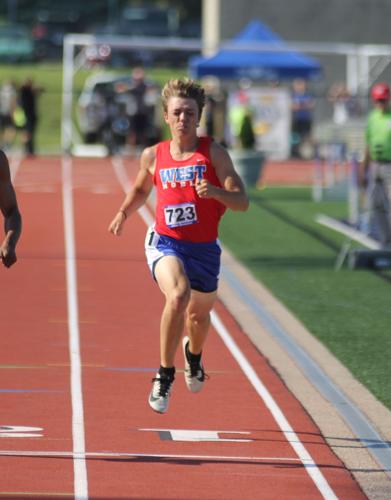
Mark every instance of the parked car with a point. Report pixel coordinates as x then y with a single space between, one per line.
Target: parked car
16 43
105 108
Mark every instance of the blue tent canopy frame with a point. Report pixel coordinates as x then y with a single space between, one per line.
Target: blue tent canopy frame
256 65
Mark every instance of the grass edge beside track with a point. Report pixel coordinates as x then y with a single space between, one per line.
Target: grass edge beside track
293 256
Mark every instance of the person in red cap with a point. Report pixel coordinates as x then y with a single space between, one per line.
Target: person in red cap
376 173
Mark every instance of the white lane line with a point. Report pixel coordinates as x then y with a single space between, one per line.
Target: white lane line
304 456
125 183
79 463
119 454
14 163
311 467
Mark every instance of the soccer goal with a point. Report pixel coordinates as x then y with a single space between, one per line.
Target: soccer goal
84 51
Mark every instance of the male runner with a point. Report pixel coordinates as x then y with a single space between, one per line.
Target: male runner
10 211
195 182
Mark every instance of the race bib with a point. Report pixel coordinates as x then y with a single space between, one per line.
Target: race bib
151 238
180 215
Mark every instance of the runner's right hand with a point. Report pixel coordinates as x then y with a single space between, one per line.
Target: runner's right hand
116 224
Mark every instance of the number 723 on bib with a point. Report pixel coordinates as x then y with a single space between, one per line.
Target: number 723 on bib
180 215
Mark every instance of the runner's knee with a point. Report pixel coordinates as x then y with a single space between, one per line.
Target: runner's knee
178 298
198 317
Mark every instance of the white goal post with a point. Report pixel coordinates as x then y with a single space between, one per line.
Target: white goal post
73 61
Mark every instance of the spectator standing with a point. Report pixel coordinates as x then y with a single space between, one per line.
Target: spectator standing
139 116
302 105
213 119
8 104
241 122
345 106
210 106
28 95
140 98
376 172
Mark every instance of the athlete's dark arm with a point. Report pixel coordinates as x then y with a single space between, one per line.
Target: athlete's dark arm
10 211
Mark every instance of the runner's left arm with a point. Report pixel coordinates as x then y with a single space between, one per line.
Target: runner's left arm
232 194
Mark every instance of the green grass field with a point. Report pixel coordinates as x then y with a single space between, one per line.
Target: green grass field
349 311
279 241
49 76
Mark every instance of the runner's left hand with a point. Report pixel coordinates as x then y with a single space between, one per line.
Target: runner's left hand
204 188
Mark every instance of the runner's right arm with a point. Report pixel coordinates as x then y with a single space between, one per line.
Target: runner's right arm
139 193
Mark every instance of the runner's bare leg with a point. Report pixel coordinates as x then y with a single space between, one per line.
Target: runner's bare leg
198 319
175 286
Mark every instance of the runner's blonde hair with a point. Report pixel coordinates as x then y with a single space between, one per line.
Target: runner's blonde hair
187 89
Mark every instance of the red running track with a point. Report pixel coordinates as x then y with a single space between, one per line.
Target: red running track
80 295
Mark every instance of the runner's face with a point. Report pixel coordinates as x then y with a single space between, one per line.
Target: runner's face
181 116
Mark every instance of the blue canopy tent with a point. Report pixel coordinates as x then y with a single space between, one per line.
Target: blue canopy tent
257 65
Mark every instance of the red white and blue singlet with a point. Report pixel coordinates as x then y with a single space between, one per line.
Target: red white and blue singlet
180 213
186 226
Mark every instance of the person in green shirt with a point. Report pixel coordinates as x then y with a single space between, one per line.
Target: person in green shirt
376 174
241 122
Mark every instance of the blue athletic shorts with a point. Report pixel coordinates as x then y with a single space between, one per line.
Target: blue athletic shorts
201 261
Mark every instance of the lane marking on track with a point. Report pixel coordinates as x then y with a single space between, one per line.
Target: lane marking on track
79 463
350 412
198 435
41 188
124 181
48 365
168 456
99 366
305 457
24 367
14 164
19 431
65 320
34 494
290 435
153 370
12 435
100 189
32 391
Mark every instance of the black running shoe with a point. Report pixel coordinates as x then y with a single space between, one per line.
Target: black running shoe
160 393
194 372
